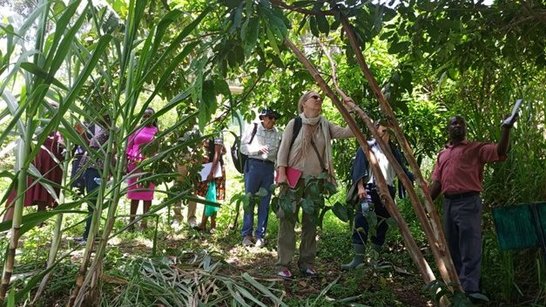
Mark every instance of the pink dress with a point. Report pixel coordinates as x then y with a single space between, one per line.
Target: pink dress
139 139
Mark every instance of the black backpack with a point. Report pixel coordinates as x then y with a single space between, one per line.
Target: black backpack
239 159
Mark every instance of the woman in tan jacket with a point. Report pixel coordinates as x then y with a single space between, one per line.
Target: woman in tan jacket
313 140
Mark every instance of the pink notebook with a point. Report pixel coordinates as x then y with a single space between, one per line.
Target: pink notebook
293 176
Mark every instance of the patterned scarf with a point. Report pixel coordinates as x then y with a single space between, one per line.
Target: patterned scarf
309 128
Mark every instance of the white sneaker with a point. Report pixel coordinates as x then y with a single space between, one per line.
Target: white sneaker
192 221
260 243
176 225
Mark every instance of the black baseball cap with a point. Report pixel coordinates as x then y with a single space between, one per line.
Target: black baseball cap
269 113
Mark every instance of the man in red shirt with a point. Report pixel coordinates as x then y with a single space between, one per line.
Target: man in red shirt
458 175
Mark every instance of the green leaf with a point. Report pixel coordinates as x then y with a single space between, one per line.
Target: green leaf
400 47
308 206
313 26
221 86
11 297
237 16
231 3
250 35
272 41
322 23
39 72
340 211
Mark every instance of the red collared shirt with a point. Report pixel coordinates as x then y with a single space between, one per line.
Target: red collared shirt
459 168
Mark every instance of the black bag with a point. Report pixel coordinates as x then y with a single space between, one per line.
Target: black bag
239 159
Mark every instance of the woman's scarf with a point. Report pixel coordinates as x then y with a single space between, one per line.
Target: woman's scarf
305 146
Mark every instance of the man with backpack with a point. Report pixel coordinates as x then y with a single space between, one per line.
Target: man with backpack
260 144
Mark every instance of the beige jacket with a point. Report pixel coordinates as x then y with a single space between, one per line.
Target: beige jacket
309 164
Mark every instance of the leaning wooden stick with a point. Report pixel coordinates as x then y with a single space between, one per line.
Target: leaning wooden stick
435 231
410 243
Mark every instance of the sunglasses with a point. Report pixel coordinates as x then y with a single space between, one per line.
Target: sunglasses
316 97
271 117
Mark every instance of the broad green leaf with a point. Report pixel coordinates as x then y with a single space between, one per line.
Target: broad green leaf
313 25
250 36
221 86
209 97
322 23
400 47
308 206
261 192
340 211
272 41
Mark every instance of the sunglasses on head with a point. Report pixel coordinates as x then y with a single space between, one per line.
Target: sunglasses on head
315 97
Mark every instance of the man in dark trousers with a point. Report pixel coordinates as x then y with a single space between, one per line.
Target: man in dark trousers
458 175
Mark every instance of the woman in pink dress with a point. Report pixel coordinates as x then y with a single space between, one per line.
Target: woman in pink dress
137 191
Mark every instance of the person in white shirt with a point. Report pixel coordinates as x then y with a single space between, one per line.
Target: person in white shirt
260 143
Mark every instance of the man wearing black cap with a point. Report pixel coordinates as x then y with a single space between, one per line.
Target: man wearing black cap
261 144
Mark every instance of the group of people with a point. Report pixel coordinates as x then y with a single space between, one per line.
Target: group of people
303 150
306 146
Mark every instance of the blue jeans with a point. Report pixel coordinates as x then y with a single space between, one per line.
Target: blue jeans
92 182
382 216
258 174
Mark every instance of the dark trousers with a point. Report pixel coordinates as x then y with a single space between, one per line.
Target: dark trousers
462 221
258 175
361 226
92 182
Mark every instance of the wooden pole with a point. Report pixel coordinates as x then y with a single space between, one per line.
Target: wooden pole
414 251
429 219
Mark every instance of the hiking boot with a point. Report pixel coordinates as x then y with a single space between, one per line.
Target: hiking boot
247 241
358 257
260 242
378 248
80 240
477 297
309 272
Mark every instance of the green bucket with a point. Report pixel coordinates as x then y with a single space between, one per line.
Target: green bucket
520 226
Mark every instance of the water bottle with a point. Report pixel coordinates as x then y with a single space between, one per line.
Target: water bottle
365 204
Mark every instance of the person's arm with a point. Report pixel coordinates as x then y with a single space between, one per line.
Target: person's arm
284 152
503 144
361 189
81 130
337 132
215 161
435 189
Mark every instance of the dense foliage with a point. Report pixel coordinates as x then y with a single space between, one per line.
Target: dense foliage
432 59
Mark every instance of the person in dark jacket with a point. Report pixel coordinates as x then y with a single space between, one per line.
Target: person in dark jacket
366 190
